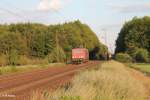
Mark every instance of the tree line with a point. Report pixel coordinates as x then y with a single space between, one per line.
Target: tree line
52 42
134 39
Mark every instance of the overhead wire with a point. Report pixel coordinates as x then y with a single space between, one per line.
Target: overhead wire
24 17
18 15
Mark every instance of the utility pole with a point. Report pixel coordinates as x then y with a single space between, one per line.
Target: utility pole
111 48
105 38
105 33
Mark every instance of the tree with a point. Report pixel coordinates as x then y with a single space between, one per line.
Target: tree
35 40
134 34
11 41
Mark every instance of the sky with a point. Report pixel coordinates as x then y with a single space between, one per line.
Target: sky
105 17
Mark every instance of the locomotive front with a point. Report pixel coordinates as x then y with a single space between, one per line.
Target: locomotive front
80 55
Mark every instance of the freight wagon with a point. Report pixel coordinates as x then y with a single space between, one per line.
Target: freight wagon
80 55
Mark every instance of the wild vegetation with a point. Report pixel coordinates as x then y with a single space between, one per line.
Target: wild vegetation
123 57
24 43
134 39
26 68
109 81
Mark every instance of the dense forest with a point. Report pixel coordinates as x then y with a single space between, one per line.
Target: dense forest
134 39
29 43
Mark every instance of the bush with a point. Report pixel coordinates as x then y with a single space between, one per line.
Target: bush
57 55
132 52
13 57
123 57
142 55
3 60
24 60
35 61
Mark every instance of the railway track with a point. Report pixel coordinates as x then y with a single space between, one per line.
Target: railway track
20 86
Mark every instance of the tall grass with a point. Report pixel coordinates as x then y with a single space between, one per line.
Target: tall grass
21 60
25 68
111 81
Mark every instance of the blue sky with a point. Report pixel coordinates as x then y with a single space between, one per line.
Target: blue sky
103 16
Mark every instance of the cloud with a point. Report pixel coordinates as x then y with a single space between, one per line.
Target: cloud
47 5
134 8
56 4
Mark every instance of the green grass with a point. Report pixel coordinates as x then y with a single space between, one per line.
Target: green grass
110 81
143 67
18 69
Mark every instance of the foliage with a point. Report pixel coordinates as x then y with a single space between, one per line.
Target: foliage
57 55
134 34
24 60
11 41
3 60
141 55
123 57
38 41
13 57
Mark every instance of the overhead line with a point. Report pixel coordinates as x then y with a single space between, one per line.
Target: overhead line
21 10
12 13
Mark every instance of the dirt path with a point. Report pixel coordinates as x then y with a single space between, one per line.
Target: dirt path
20 86
145 80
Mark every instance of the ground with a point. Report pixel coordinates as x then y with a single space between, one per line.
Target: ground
17 86
109 81
108 72
141 77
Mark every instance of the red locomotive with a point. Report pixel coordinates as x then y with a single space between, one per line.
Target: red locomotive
80 55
